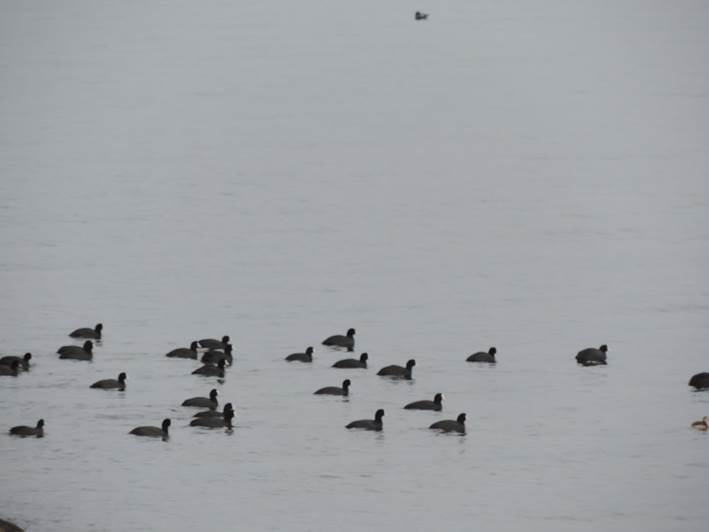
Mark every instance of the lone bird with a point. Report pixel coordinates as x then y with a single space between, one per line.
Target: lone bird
154 432
184 352
592 356
24 431
112 384
482 356
398 372
700 381
335 390
13 370
450 425
421 16
701 424
338 340
368 424
86 332
203 402
74 352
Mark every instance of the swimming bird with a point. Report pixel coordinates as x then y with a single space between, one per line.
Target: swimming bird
75 352
397 372
450 425
335 390
700 381
592 356
209 370
352 362
301 357
215 422
22 430
184 352
86 332
213 356
24 361
338 340
153 432
436 404
203 402
112 384
12 370
421 16
211 343
701 424
482 356
368 424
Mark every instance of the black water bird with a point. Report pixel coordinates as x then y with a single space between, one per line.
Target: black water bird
398 372
211 343
74 352
420 16
592 356
86 332
352 362
210 402
184 352
450 425
208 370
335 390
338 340
112 384
700 381
24 361
13 370
24 431
301 357
482 356
436 404
213 356
368 424
215 422
154 432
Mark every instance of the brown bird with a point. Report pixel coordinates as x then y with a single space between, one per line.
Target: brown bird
701 424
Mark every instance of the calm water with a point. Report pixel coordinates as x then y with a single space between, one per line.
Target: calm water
532 177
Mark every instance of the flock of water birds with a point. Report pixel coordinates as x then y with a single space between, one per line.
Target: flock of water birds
216 354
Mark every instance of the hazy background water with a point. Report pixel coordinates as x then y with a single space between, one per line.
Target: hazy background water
529 175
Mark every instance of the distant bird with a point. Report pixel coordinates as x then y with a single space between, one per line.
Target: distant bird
482 356
24 431
301 357
211 343
209 370
203 402
421 16
701 424
13 370
449 425
353 362
398 372
112 384
215 422
335 390
154 432
85 332
368 424
213 356
75 352
338 340
24 361
700 381
436 404
592 356
184 352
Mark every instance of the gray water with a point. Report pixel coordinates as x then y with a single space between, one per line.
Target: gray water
528 175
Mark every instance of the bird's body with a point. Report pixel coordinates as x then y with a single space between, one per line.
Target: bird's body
420 16
24 361
13 370
211 343
335 390
436 404
153 432
214 422
184 352
368 424
209 370
213 356
700 381
351 363
347 341
203 402
450 425
111 384
701 425
74 352
592 356
301 357
482 356
398 372
24 431
86 332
